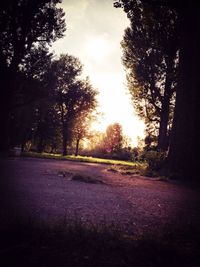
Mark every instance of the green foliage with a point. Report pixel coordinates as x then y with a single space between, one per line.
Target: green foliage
139 168
74 97
81 129
150 56
59 110
155 159
47 127
26 23
111 144
27 28
78 158
113 140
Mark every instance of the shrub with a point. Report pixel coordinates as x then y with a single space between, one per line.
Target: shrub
155 159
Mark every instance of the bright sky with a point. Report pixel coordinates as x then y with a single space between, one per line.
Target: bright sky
94 32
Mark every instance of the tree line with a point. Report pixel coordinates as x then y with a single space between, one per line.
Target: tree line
46 104
112 143
44 99
61 115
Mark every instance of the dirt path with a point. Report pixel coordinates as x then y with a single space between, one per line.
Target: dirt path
43 190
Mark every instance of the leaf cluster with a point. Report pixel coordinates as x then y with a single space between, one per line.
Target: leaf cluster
150 56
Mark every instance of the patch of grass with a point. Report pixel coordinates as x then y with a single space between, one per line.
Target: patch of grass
136 169
75 245
78 158
86 179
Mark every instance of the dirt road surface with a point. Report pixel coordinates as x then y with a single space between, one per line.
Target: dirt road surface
43 190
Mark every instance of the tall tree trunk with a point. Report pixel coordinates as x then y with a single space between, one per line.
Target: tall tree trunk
184 149
4 112
163 129
4 132
64 134
77 146
164 118
9 85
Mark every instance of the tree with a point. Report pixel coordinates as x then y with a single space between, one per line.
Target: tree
113 140
73 96
22 125
95 145
32 98
184 142
150 55
35 80
24 25
81 128
47 126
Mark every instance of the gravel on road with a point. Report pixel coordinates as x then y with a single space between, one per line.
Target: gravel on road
43 190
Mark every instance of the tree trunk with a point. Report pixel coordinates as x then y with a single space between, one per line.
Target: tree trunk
4 132
77 147
163 130
40 147
23 146
8 86
164 118
64 145
5 103
184 149
64 141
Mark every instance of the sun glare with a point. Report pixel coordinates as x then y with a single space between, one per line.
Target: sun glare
132 132
115 106
97 43
97 48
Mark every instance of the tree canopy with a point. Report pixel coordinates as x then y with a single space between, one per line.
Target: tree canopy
74 97
113 140
26 28
150 55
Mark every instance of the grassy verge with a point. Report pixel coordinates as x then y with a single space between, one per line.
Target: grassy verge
136 169
79 159
75 245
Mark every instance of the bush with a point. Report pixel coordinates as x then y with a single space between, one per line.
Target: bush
155 159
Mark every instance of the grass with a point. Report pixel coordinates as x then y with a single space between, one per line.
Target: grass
79 158
72 244
136 169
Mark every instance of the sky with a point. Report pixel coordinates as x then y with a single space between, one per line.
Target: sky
94 32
